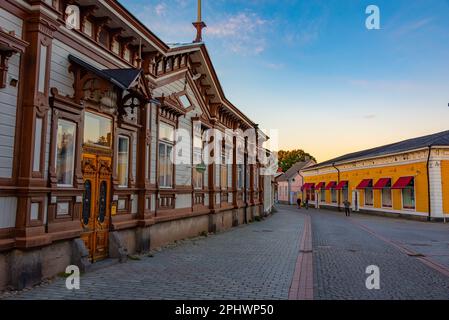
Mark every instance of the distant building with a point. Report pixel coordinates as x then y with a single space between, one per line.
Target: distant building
409 178
289 184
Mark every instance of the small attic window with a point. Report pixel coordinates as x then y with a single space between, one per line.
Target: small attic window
185 101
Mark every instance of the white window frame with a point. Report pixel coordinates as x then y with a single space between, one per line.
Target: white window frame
74 152
127 160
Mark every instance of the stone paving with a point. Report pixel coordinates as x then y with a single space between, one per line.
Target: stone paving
343 251
257 262
251 262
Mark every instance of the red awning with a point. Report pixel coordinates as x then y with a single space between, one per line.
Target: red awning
308 186
402 182
331 185
365 184
341 185
382 183
320 185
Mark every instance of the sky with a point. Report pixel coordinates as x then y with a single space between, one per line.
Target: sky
313 75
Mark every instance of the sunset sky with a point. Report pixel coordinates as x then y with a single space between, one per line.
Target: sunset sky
311 69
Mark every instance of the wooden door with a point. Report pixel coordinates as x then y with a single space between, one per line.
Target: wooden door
96 215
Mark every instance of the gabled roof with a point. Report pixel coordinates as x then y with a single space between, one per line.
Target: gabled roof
436 139
293 171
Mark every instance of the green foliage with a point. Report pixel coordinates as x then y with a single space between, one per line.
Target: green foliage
288 158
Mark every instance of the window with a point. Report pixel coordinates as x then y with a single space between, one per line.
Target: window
65 152
223 170
323 195
240 177
197 160
310 194
115 46
97 130
334 195
386 196
345 193
408 196
166 140
123 161
369 199
185 101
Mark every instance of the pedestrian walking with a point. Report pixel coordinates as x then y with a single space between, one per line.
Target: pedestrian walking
298 201
306 203
347 205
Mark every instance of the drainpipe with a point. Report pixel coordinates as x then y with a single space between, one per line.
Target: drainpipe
338 182
429 206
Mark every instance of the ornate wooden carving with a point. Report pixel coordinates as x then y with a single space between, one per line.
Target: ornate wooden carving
9 45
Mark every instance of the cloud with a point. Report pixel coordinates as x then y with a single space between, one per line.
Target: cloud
242 33
369 116
411 27
160 9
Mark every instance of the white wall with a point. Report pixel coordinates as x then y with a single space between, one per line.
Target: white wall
436 191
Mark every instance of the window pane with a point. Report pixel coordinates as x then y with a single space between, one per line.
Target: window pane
162 165
323 195
166 132
408 198
185 101
123 161
97 130
334 195
65 152
369 197
386 198
169 166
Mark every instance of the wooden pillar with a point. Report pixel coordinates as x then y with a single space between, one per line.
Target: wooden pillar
34 90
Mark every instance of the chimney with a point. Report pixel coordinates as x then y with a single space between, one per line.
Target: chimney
199 25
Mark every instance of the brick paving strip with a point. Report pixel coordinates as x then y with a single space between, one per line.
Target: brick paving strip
302 283
426 260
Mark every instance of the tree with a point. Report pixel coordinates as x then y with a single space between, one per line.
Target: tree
288 158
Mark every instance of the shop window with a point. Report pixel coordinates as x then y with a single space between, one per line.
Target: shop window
123 161
323 195
97 130
369 198
166 141
408 196
387 201
334 195
345 193
65 153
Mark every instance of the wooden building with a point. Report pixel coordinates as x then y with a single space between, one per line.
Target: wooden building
90 115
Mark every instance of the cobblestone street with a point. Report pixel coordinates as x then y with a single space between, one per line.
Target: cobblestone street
258 262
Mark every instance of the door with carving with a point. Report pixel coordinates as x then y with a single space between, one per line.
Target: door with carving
95 218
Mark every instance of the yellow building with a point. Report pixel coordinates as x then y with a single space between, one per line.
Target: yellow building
410 177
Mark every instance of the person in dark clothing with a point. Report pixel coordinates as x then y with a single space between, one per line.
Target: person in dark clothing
306 203
299 203
347 205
